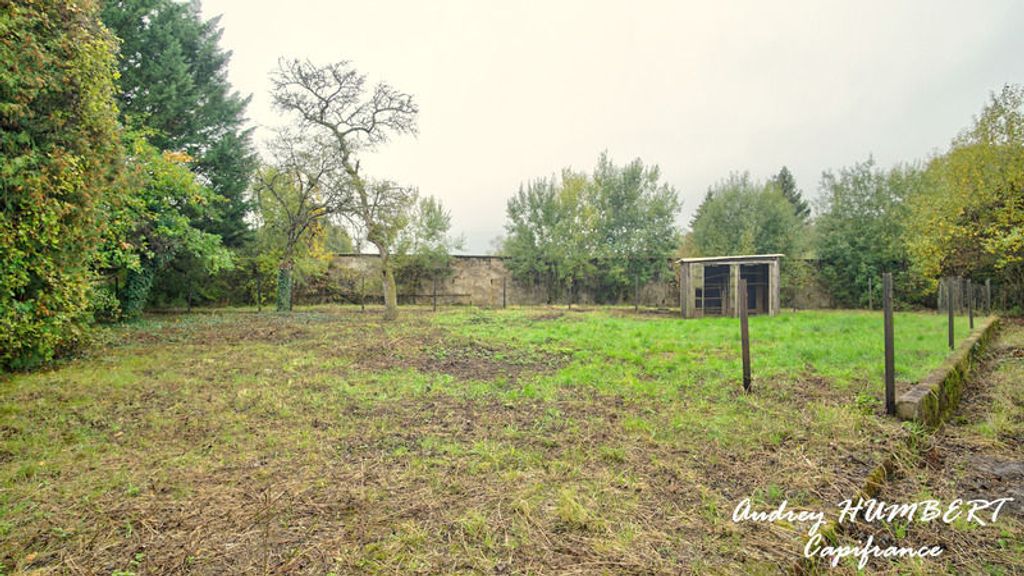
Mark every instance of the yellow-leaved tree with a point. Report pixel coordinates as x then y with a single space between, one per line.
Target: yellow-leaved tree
969 217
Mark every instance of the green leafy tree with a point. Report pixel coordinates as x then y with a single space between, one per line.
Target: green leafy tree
787 185
969 219
550 233
861 232
254 279
173 77
332 101
609 228
574 253
635 224
297 193
742 216
337 240
531 243
59 147
153 221
425 246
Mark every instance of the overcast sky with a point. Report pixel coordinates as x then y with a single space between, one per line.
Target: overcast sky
510 91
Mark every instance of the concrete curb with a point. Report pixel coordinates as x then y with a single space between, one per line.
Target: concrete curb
938 394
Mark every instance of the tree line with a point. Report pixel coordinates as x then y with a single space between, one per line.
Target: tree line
957 213
130 179
612 228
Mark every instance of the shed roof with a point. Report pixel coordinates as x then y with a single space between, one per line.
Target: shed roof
737 258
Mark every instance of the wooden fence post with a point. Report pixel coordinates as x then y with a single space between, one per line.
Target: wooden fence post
744 335
362 294
988 296
684 272
435 293
890 354
949 308
504 292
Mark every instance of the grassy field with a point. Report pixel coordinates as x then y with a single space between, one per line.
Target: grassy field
521 441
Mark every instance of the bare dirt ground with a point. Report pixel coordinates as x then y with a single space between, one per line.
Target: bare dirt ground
467 442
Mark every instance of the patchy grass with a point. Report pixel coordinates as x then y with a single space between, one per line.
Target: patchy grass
979 454
517 441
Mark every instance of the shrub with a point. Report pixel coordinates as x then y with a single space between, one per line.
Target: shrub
58 152
104 306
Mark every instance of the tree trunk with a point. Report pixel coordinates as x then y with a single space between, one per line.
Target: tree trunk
259 291
284 287
390 288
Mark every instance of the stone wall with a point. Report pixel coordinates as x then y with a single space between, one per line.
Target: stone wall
474 280
477 280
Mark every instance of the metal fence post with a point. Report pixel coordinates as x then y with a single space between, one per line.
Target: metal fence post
744 334
949 308
890 354
970 304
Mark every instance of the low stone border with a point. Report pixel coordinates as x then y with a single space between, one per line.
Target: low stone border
938 394
832 529
928 402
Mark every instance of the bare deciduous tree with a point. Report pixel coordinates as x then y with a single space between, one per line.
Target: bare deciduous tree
302 186
333 100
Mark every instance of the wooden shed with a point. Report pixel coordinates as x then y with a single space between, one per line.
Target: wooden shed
710 286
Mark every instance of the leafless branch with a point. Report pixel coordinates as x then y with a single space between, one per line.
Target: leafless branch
333 97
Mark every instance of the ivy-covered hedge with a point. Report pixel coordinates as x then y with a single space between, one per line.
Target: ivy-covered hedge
59 146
